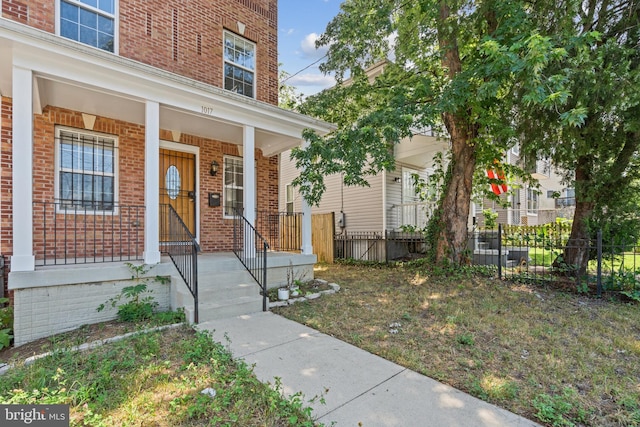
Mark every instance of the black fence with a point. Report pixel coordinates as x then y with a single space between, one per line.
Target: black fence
545 254
97 232
379 247
541 254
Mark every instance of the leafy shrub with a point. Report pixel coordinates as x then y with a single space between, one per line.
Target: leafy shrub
138 305
6 323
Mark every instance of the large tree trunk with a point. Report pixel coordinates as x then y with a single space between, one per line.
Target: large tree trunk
451 243
576 252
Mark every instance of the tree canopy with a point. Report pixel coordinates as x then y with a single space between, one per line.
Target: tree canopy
457 67
599 155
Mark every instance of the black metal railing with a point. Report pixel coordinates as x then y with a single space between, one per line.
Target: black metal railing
282 230
379 247
93 232
537 254
251 249
180 244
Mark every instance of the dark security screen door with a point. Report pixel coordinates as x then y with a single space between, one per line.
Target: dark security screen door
178 185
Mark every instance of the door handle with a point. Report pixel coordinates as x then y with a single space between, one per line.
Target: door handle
192 195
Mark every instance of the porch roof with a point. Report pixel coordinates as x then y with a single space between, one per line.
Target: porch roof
71 75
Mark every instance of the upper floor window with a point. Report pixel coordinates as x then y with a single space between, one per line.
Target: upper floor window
92 22
239 64
86 170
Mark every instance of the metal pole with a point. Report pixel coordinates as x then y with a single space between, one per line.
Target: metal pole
264 278
499 251
599 275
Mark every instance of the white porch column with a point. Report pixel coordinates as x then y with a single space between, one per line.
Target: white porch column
22 258
249 168
151 184
307 247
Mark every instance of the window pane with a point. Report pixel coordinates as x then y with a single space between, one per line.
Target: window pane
107 6
93 3
105 25
88 19
88 36
69 30
69 12
105 42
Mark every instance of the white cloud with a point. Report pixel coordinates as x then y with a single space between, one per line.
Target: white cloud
312 80
288 31
308 46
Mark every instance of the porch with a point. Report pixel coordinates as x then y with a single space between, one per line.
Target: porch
58 298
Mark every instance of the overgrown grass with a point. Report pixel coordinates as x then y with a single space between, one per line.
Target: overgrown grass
155 379
554 357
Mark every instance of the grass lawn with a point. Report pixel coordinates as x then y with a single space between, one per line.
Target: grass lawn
154 379
557 358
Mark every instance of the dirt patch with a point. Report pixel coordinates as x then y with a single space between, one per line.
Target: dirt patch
83 334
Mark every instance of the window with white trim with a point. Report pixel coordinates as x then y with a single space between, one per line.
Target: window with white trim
409 186
532 201
86 170
239 64
233 185
289 198
92 22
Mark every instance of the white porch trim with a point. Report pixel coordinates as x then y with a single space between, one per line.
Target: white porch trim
249 169
151 184
22 258
307 245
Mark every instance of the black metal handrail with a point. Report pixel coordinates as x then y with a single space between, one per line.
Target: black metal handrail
87 232
251 249
181 246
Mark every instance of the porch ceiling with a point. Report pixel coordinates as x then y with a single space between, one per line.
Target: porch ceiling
419 150
80 78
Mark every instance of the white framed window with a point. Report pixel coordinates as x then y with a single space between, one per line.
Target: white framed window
408 186
288 200
532 201
86 170
516 149
239 64
92 22
233 185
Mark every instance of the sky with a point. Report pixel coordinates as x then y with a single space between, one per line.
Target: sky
300 23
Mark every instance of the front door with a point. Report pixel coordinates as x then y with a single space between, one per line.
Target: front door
178 185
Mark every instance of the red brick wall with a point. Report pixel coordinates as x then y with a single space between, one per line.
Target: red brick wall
6 180
147 34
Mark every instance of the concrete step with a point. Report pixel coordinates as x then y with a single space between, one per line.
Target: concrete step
223 279
212 310
228 292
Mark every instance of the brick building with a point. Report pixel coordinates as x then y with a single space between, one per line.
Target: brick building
117 115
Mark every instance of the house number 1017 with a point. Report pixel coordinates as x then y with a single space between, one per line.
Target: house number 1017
207 110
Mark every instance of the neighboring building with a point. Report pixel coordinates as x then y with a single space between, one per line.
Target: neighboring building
111 109
530 205
388 204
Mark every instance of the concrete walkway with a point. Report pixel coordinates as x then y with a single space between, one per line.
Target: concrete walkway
359 388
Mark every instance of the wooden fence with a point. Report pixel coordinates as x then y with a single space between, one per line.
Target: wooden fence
323 227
